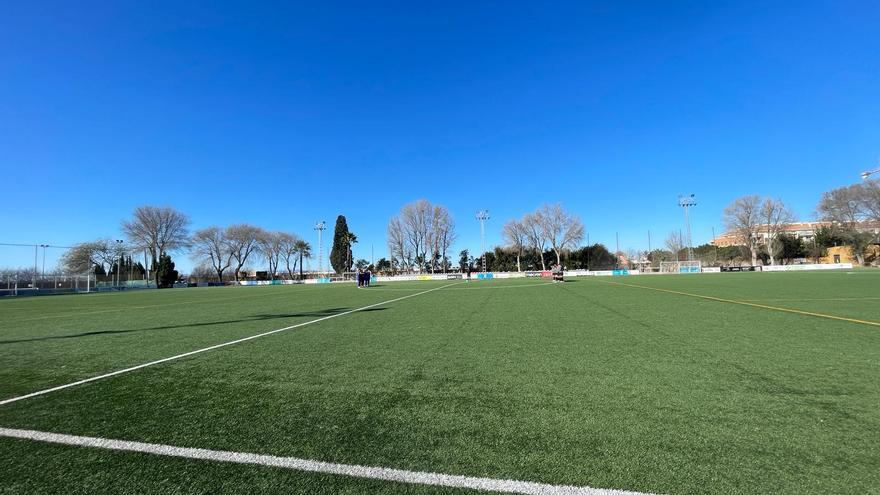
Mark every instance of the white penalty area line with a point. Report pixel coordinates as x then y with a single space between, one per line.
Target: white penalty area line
294 463
211 348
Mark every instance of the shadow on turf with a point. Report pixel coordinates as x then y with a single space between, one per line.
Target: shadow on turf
318 314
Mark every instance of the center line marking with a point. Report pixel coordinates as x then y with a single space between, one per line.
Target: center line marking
294 463
217 346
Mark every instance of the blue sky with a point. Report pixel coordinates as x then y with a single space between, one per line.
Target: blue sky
282 114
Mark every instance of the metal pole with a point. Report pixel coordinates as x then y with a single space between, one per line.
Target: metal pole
320 227
482 216
36 246
687 202
869 173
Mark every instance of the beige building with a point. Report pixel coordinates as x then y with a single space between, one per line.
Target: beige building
800 230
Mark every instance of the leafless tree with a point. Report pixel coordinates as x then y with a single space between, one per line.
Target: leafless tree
271 246
243 242
398 245
82 257
743 219
844 205
533 224
870 197
443 234
516 238
159 230
415 219
775 215
675 243
288 245
210 244
421 235
562 229
847 207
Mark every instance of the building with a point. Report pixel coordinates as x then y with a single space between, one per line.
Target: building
800 230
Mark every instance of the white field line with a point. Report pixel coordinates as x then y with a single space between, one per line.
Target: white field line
294 463
468 288
217 346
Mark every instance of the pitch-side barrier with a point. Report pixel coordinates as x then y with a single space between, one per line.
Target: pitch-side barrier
541 274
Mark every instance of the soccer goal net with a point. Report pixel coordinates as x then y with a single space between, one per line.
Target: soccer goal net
681 266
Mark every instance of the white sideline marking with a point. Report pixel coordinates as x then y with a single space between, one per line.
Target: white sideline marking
369 472
217 346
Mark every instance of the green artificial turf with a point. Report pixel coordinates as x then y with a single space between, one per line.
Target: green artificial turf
588 382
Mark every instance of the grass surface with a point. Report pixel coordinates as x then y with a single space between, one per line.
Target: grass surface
588 383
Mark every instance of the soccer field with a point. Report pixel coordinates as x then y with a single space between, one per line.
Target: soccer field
682 384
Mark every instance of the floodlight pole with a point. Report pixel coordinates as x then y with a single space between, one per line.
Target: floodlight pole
320 227
687 202
119 263
482 216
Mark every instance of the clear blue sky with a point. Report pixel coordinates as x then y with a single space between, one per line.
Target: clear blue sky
281 114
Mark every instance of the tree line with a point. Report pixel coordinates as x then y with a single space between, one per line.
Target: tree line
162 231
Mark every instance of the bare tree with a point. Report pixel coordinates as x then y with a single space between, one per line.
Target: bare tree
210 244
421 235
82 257
514 234
243 241
742 218
563 230
288 248
775 215
675 243
270 245
533 224
870 198
847 207
159 230
443 234
844 205
397 243
415 219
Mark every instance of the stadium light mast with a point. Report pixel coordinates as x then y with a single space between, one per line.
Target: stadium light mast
687 202
121 252
482 216
320 227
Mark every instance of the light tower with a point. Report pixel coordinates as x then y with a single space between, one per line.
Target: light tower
482 216
687 202
320 226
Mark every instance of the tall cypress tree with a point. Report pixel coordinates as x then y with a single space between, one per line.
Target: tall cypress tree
340 254
165 272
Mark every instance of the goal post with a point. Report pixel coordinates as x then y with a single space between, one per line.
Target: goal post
681 266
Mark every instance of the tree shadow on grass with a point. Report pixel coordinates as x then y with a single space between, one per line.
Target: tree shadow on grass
260 317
